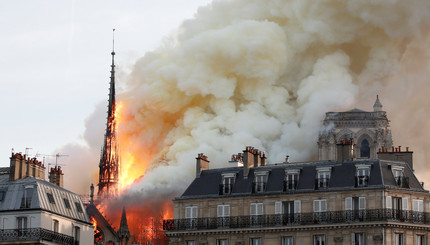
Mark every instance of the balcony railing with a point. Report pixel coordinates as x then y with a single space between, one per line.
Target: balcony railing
258 187
290 185
35 234
402 181
361 181
321 183
298 219
225 189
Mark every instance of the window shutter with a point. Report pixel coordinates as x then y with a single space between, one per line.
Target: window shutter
420 206
323 205
194 212
353 238
226 210
187 212
316 205
297 206
388 202
404 203
278 207
348 203
361 203
253 210
415 205
259 209
220 211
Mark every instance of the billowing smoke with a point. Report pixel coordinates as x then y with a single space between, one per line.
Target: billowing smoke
263 73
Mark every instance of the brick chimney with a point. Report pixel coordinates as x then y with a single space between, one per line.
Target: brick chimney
202 163
56 176
252 158
21 167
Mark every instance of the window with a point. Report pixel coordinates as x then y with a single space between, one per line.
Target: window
291 179
362 175
221 242
287 240
226 186
77 235
27 196
255 241
55 225
50 198
399 176
365 149
319 240
21 225
66 203
256 213
357 238
223 214
323 178
190 242
320 210
260 181
355 208
398 239
420 240
191 214
2 194
398 206
78 207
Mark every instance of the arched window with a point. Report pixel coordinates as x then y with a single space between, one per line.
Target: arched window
365 149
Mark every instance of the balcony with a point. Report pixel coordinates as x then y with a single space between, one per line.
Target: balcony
258 187
225 189
361 181
299 219
321 183
290 185
35 234
402 181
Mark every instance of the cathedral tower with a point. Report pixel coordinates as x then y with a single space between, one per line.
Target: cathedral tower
109 159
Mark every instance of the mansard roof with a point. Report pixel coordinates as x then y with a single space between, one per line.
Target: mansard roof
13 193
343 176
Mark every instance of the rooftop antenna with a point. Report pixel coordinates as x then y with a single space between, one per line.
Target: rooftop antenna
26 150
58 156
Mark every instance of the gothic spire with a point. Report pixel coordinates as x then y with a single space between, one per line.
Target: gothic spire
377 106
123 232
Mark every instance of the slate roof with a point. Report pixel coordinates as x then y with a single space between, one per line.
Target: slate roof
14 192
342 177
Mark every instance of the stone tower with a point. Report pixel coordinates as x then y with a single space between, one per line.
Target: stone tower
365 131
109 159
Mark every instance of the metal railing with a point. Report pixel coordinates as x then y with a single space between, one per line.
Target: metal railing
225 189
314 218
361 181
321 183
290 185
402 181
35 234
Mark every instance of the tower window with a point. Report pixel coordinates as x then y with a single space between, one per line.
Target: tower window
365 149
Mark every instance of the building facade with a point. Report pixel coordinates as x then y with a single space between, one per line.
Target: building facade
34 211
344 200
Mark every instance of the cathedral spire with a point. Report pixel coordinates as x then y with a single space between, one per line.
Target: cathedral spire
377 106
123 232
109 159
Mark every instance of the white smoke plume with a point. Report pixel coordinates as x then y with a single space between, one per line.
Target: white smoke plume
263 73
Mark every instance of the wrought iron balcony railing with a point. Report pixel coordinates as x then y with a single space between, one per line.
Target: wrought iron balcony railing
402 181
290 185
258 187
225 189
298 219
361 181
321 183
35 234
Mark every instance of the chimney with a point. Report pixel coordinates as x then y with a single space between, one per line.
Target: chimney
263 159
248 160
202 163
257 157
18 168
56 176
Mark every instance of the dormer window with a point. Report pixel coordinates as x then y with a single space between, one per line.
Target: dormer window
323 178
260 181
27 196
399 176
362 175
226 185
291 179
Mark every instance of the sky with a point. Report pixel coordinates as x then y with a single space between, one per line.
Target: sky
56 60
